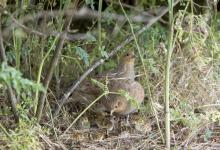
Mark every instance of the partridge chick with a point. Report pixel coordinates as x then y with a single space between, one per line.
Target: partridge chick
120 104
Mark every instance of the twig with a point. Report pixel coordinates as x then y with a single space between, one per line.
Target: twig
40 71
167 76
25 27
136 9
80 115
100 61
11 95
5 132
69 36
2 49
100 26
52 65
83 13
194 133
49 74
144 69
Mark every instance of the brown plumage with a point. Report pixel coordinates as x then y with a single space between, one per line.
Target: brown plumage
119 104
120 79
125 68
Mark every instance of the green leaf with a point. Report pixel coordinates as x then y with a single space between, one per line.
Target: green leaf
83 55
91 37
208 134
103 52
11 76
101 85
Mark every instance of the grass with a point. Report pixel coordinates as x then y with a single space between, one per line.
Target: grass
194 85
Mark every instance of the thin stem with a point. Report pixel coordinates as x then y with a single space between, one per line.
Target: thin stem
100 61
40 72
54 61
48 77
77 118
5 132
12 98
100 26
167 76
145 70
52 120
17 48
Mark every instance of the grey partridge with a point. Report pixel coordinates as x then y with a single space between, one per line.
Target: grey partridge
120 79
125 68
123 80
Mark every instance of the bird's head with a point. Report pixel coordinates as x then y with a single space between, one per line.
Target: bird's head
119 106
128 58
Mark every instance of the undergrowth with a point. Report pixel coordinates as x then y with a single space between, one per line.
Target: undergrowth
194 80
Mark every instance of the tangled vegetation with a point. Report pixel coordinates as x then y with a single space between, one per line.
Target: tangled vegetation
50 49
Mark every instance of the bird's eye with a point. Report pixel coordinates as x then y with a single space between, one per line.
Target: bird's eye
119 104
114 118
127 54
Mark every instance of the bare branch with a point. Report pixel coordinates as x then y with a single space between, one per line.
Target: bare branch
83 13
49 74
52 65
12 99
73 87
69 37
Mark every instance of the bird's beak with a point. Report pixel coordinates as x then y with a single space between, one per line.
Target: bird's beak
111 112
133 56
